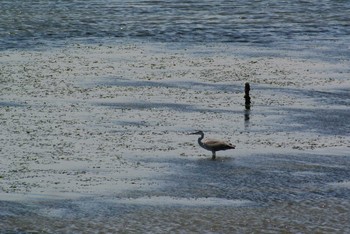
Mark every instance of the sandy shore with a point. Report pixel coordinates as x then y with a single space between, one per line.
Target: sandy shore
84 119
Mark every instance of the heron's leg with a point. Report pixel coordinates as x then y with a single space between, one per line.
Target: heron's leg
214 155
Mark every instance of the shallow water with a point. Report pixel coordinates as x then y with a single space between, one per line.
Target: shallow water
273 193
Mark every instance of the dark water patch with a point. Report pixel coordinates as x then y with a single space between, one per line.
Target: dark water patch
164 105
332 116
337 97
10 104
261 178
15 209
148 106
187 85
323 121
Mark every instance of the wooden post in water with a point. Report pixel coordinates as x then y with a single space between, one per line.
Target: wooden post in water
246 96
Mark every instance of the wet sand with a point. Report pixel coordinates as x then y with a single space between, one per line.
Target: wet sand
98 133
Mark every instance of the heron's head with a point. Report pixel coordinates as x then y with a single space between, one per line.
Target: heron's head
197 133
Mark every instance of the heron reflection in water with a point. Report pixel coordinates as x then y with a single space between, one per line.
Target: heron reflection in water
212 145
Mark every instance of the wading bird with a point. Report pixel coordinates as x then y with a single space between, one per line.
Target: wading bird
212 145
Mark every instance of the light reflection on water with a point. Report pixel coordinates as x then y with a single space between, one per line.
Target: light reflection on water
297 193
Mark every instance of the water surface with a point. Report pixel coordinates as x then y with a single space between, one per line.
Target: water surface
266 23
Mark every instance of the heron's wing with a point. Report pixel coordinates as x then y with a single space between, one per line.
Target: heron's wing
212 142
218 145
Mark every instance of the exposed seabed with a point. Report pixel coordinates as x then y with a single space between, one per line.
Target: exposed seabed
95 138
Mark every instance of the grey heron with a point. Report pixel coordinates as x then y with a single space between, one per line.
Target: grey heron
212 145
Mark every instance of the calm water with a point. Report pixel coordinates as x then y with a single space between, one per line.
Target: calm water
30 23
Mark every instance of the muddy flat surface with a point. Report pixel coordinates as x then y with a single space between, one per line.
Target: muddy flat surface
95 138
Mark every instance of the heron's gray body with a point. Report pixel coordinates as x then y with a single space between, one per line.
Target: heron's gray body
213 145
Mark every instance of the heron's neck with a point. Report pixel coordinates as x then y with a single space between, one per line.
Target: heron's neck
200 139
